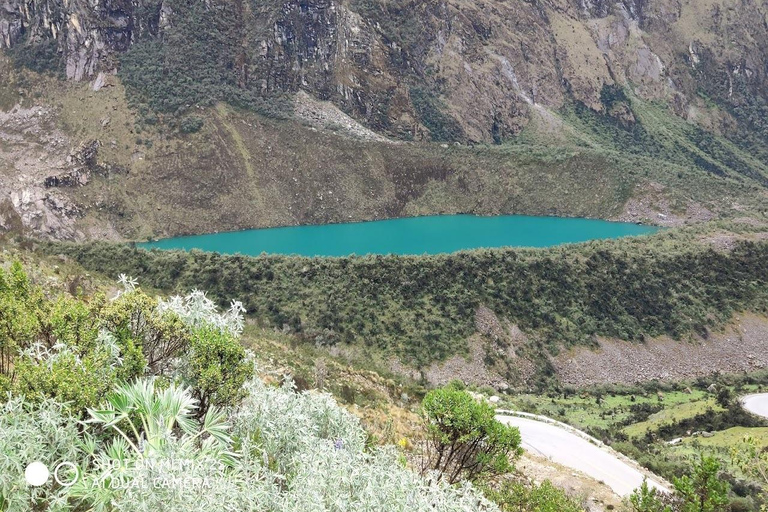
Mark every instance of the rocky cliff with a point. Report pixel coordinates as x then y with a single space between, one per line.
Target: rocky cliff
661 104
448 69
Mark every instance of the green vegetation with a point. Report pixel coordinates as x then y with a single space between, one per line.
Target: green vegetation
41 56
741 97
441 126
191 124
633 131
423 308
75 351
702 491
751 456
648 499
641 420
199 61
515 497
464 439
187 426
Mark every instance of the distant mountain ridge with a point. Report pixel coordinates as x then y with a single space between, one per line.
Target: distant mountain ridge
448 70
215 115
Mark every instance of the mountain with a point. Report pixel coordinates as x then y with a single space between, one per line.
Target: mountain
471 71
153 118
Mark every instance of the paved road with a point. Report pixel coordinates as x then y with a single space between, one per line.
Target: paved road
572 451
756 404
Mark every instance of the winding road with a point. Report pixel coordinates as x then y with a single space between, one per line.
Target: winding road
756 404
571 448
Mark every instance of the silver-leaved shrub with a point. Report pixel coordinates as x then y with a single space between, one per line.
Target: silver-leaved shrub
43 432
293 452
156 444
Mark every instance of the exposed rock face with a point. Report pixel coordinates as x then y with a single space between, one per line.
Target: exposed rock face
82 161
740 348
485 66
29 205
87 34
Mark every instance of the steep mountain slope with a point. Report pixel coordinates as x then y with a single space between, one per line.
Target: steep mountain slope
455 69
651 111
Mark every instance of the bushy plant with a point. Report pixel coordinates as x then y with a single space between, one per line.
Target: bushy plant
199 60
191 124
76 350
464 439
63 375
516 497
216 367
424 307
144 449
700 491
197 310
650 499
44 432
703 490
751 458
156 445
19 319
317 451
157 440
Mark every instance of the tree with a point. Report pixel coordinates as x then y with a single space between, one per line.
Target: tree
216 368
703 490
650 499
725 397
515 497
464 439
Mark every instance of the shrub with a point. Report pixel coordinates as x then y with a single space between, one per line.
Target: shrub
191 124
149 446
464 439
317 451
424 308
701 491
78 381
648 499
44 432
515 497
76 351
285 452
42 56
751 459
216 367
198 59
441 126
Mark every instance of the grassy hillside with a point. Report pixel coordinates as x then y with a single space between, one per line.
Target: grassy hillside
223 168
242 170
423 309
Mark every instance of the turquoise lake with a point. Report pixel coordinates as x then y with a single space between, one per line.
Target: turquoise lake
413 235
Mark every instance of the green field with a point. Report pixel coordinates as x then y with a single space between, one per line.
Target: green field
641 421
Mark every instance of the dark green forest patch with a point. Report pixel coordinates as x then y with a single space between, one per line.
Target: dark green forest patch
423 308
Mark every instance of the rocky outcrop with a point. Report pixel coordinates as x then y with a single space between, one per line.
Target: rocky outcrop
88 35
739 348
32 147
411 68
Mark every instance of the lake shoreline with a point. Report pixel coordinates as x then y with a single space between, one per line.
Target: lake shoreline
431 234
